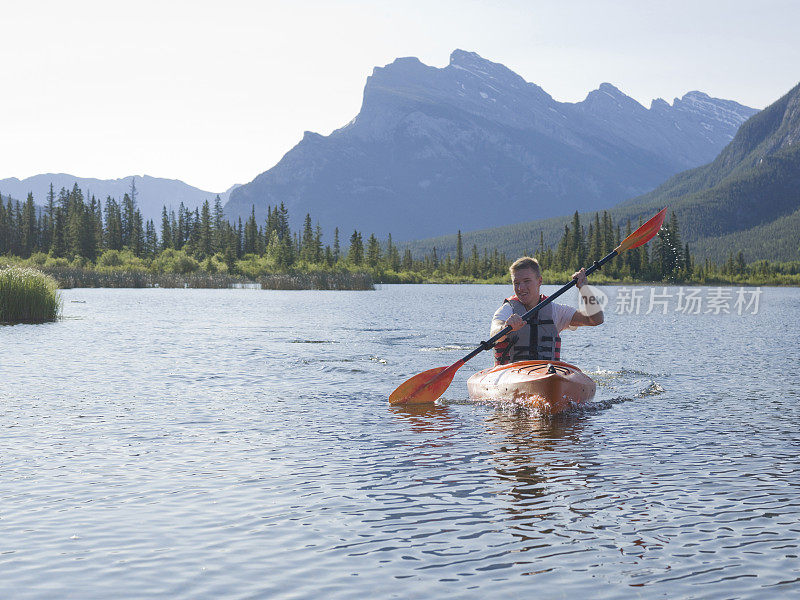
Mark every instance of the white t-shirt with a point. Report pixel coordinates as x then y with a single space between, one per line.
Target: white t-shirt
562 315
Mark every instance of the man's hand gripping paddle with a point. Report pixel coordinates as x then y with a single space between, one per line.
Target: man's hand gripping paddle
427 386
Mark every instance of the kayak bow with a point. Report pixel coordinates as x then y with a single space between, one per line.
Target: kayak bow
550 387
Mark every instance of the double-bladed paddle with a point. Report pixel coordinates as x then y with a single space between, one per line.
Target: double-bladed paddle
429 385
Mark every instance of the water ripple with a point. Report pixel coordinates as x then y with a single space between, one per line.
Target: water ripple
196 446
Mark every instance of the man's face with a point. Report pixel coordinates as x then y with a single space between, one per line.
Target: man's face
526 285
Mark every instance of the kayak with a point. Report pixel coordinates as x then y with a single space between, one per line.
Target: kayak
550 387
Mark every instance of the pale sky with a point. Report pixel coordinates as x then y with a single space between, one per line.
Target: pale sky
214 93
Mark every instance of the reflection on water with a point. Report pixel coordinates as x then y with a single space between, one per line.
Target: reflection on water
207 443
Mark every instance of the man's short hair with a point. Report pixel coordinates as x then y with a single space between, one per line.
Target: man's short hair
526 262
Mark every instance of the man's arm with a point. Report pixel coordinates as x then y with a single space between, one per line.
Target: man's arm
580 318
592 313
515 321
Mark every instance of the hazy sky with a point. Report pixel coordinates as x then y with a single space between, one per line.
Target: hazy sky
214 93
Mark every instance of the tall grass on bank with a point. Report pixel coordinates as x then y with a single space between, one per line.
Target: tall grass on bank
70 277
319 280
28 296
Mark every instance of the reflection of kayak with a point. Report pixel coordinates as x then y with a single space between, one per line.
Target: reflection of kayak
548 386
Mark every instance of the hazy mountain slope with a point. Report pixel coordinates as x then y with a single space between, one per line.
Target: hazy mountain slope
473 145
152 192
747 199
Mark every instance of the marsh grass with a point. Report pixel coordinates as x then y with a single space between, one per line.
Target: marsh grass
322 280
28 296
72 277
69 277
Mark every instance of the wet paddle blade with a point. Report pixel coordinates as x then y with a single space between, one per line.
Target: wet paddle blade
425 387
644 234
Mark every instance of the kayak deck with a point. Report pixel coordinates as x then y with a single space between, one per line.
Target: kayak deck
550 387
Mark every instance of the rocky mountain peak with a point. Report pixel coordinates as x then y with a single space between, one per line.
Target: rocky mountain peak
702 105
434 150
608 97
476 66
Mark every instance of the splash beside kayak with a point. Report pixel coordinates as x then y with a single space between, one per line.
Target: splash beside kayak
550 387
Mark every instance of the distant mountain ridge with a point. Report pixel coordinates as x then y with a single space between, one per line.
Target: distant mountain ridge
473 145
747 199
152 192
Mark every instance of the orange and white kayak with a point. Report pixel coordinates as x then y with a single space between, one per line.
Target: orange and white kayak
549 387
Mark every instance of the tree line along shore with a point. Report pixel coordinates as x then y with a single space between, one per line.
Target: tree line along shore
87 243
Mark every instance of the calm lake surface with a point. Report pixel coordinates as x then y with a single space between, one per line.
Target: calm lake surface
238 444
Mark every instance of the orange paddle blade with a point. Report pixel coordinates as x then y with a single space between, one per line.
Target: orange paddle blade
644 234
425 387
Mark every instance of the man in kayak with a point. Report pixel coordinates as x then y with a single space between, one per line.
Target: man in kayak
538 340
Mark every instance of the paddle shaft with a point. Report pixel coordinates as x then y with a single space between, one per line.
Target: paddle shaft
489 344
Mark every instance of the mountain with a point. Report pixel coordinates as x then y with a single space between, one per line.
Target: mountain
473 145
747 199
152 192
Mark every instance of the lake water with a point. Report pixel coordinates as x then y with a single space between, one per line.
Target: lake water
238 444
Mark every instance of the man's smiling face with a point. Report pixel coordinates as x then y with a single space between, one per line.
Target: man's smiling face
526 286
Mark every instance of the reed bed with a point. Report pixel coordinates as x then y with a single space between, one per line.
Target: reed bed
317 281
72 277
85 278
28 296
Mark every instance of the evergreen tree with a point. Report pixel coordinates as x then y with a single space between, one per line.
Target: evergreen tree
29 234
318 253
596 244
337 251
128 218
16 220
166 230
14 217
133 193
137 243
180 230
474 262
562 258
194 231
355 255
231 251
150 239
48 224
374 251
459 251
577 249
206 241
96 210
688 262
282 222
5 229
740 266
408 260
272 222
219 233
113 229
392 255
307 242
251 233
608 234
